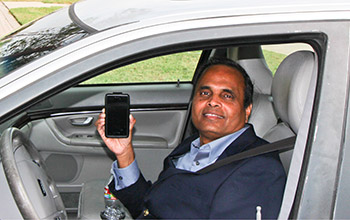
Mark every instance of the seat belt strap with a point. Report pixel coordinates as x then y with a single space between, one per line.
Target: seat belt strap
281 146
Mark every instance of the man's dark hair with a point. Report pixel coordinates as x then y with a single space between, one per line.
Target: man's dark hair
248 91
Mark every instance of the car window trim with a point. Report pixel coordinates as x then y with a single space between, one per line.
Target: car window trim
75 19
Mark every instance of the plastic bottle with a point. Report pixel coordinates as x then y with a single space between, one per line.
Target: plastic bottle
112 209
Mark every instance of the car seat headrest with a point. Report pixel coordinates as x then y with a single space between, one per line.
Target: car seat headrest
290 86
251 58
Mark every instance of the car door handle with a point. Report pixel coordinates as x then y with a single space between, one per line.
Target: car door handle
84 121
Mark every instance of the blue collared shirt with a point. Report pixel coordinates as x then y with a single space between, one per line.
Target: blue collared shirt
197 158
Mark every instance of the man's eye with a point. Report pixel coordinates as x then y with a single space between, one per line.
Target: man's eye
228 96
204 93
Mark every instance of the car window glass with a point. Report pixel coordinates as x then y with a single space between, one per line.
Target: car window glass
37 39
274 54
168 68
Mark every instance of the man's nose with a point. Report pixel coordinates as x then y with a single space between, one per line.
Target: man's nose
214 101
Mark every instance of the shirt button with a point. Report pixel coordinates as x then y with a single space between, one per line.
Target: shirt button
197 163
120 178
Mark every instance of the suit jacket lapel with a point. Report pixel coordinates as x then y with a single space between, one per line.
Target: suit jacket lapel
243 142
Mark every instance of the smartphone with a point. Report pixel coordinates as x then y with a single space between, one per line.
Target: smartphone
117 107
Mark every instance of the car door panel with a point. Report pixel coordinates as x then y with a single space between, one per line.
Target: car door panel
154 129
67 120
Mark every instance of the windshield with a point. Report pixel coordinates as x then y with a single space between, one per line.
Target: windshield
38 39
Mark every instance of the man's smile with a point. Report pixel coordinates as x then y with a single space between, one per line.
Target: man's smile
212 115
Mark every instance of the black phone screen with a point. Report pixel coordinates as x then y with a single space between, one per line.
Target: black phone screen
117 115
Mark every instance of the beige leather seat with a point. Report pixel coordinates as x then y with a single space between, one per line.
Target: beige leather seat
289 91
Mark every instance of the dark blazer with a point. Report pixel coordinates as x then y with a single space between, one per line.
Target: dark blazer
232 191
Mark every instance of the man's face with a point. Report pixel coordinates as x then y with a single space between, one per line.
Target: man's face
218 103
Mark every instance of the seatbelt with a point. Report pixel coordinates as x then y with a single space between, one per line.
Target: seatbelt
281 146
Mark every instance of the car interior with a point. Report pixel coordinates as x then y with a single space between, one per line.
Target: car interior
62 127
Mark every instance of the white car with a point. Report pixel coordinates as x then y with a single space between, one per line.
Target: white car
55 72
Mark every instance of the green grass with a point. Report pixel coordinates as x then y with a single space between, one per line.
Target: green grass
25 15
167 69
273 60
46 1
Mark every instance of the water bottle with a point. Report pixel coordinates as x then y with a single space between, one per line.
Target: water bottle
112 208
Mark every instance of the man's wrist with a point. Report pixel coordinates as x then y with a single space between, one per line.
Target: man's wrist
127 158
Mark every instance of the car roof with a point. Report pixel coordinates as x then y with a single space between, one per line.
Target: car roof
97 15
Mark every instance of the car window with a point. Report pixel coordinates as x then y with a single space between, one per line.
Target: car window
274 54
167 68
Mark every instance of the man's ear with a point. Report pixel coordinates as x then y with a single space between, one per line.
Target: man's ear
248 110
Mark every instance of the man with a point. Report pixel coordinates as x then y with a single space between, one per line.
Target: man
222 103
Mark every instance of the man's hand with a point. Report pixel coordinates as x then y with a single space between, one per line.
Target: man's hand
121 147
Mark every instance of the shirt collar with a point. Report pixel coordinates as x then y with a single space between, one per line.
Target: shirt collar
218 146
